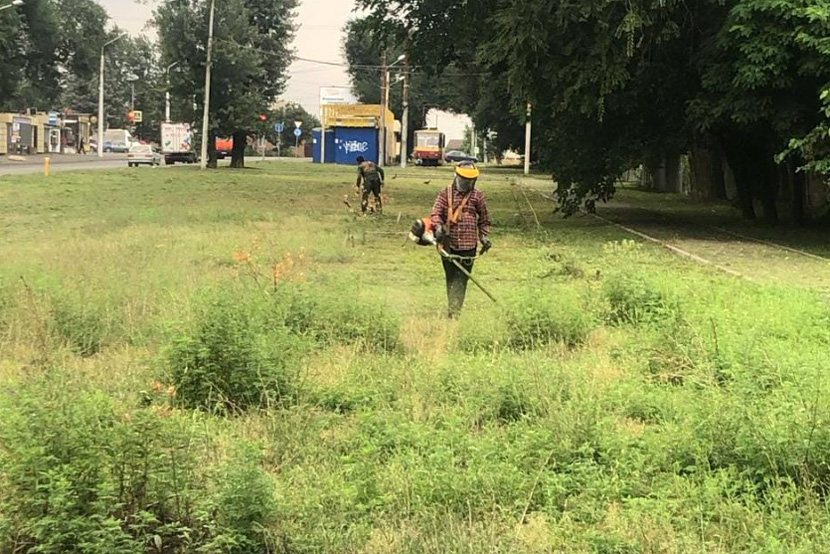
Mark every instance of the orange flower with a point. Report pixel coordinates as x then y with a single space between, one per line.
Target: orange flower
242 257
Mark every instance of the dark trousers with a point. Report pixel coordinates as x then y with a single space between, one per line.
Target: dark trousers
456 280
368 189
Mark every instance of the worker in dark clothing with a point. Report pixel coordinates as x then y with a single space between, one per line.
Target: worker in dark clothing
371 177
461 220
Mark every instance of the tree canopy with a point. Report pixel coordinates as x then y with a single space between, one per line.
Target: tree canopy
618 83
251 55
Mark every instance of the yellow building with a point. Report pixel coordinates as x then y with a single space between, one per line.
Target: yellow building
43 132
363 116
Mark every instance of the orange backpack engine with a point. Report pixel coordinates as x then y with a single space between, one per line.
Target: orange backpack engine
422 232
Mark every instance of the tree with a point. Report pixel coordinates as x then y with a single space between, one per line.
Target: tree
288 114
250 59
623 82
46 45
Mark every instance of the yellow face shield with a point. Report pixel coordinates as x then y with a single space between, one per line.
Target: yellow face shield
465 177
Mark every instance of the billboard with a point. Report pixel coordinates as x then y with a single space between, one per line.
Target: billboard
336 95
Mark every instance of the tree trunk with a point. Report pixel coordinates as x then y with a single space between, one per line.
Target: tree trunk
798 182
743 182
718 176
671 165
708 181
240 141
769 180
213 161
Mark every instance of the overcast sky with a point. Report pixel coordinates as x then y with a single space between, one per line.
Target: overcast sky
319 38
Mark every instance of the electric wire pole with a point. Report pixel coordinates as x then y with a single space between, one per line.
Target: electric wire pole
405 117
206 113
384 74
528 129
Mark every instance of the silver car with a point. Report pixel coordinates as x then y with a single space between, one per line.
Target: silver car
143 154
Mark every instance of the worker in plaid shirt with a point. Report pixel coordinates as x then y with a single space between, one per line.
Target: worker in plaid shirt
461 220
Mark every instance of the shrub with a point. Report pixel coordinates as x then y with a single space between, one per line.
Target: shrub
635 299
539 319
233 360
81 324
337 319
243 506
79 478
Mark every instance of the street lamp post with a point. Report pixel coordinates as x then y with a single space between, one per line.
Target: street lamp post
132 78
206 113
167 92
101 98
385 99
12 5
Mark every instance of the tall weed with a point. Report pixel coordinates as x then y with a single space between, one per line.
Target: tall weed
637 299
233 359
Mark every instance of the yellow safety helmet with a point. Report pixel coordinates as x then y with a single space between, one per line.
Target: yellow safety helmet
466 175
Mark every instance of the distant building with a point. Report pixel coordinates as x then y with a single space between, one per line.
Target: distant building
455 144
43 132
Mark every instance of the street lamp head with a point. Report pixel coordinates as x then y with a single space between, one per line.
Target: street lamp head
116 39
17 3
402 57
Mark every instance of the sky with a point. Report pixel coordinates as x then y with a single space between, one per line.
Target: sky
319 38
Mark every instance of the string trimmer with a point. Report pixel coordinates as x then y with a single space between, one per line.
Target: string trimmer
454 260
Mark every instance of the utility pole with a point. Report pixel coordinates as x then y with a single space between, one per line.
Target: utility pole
384 75
101 98
405 117
206 113
528 129
167 92
484 147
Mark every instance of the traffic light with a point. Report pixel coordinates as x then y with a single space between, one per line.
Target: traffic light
131 116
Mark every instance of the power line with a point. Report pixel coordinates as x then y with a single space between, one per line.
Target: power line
378 68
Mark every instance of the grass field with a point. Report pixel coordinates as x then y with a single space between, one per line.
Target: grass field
234 361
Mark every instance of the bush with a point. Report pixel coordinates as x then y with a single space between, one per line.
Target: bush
80 475
536 320
233 360
635 299
79 478
244 506
81 324
328 319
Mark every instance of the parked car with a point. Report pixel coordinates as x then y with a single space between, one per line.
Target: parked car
456 156
143 154
119 147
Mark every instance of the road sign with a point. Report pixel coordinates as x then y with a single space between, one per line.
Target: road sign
298 124
298 132
139 116
279 127
335 95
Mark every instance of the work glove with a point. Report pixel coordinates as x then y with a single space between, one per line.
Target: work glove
486 244
440 234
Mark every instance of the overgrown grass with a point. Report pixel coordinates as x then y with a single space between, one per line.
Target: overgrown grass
616 400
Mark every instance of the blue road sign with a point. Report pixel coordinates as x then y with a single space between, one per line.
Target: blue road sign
298 132
279 127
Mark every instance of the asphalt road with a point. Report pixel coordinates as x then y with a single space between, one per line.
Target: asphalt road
62 162
73 162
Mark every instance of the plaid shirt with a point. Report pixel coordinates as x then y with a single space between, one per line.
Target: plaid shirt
473 223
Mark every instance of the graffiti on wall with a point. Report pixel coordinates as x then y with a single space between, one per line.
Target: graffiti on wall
354 146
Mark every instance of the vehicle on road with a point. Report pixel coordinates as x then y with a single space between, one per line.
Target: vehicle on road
429 147
117 147
143 154
177 143
224 147
115 140
456 156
